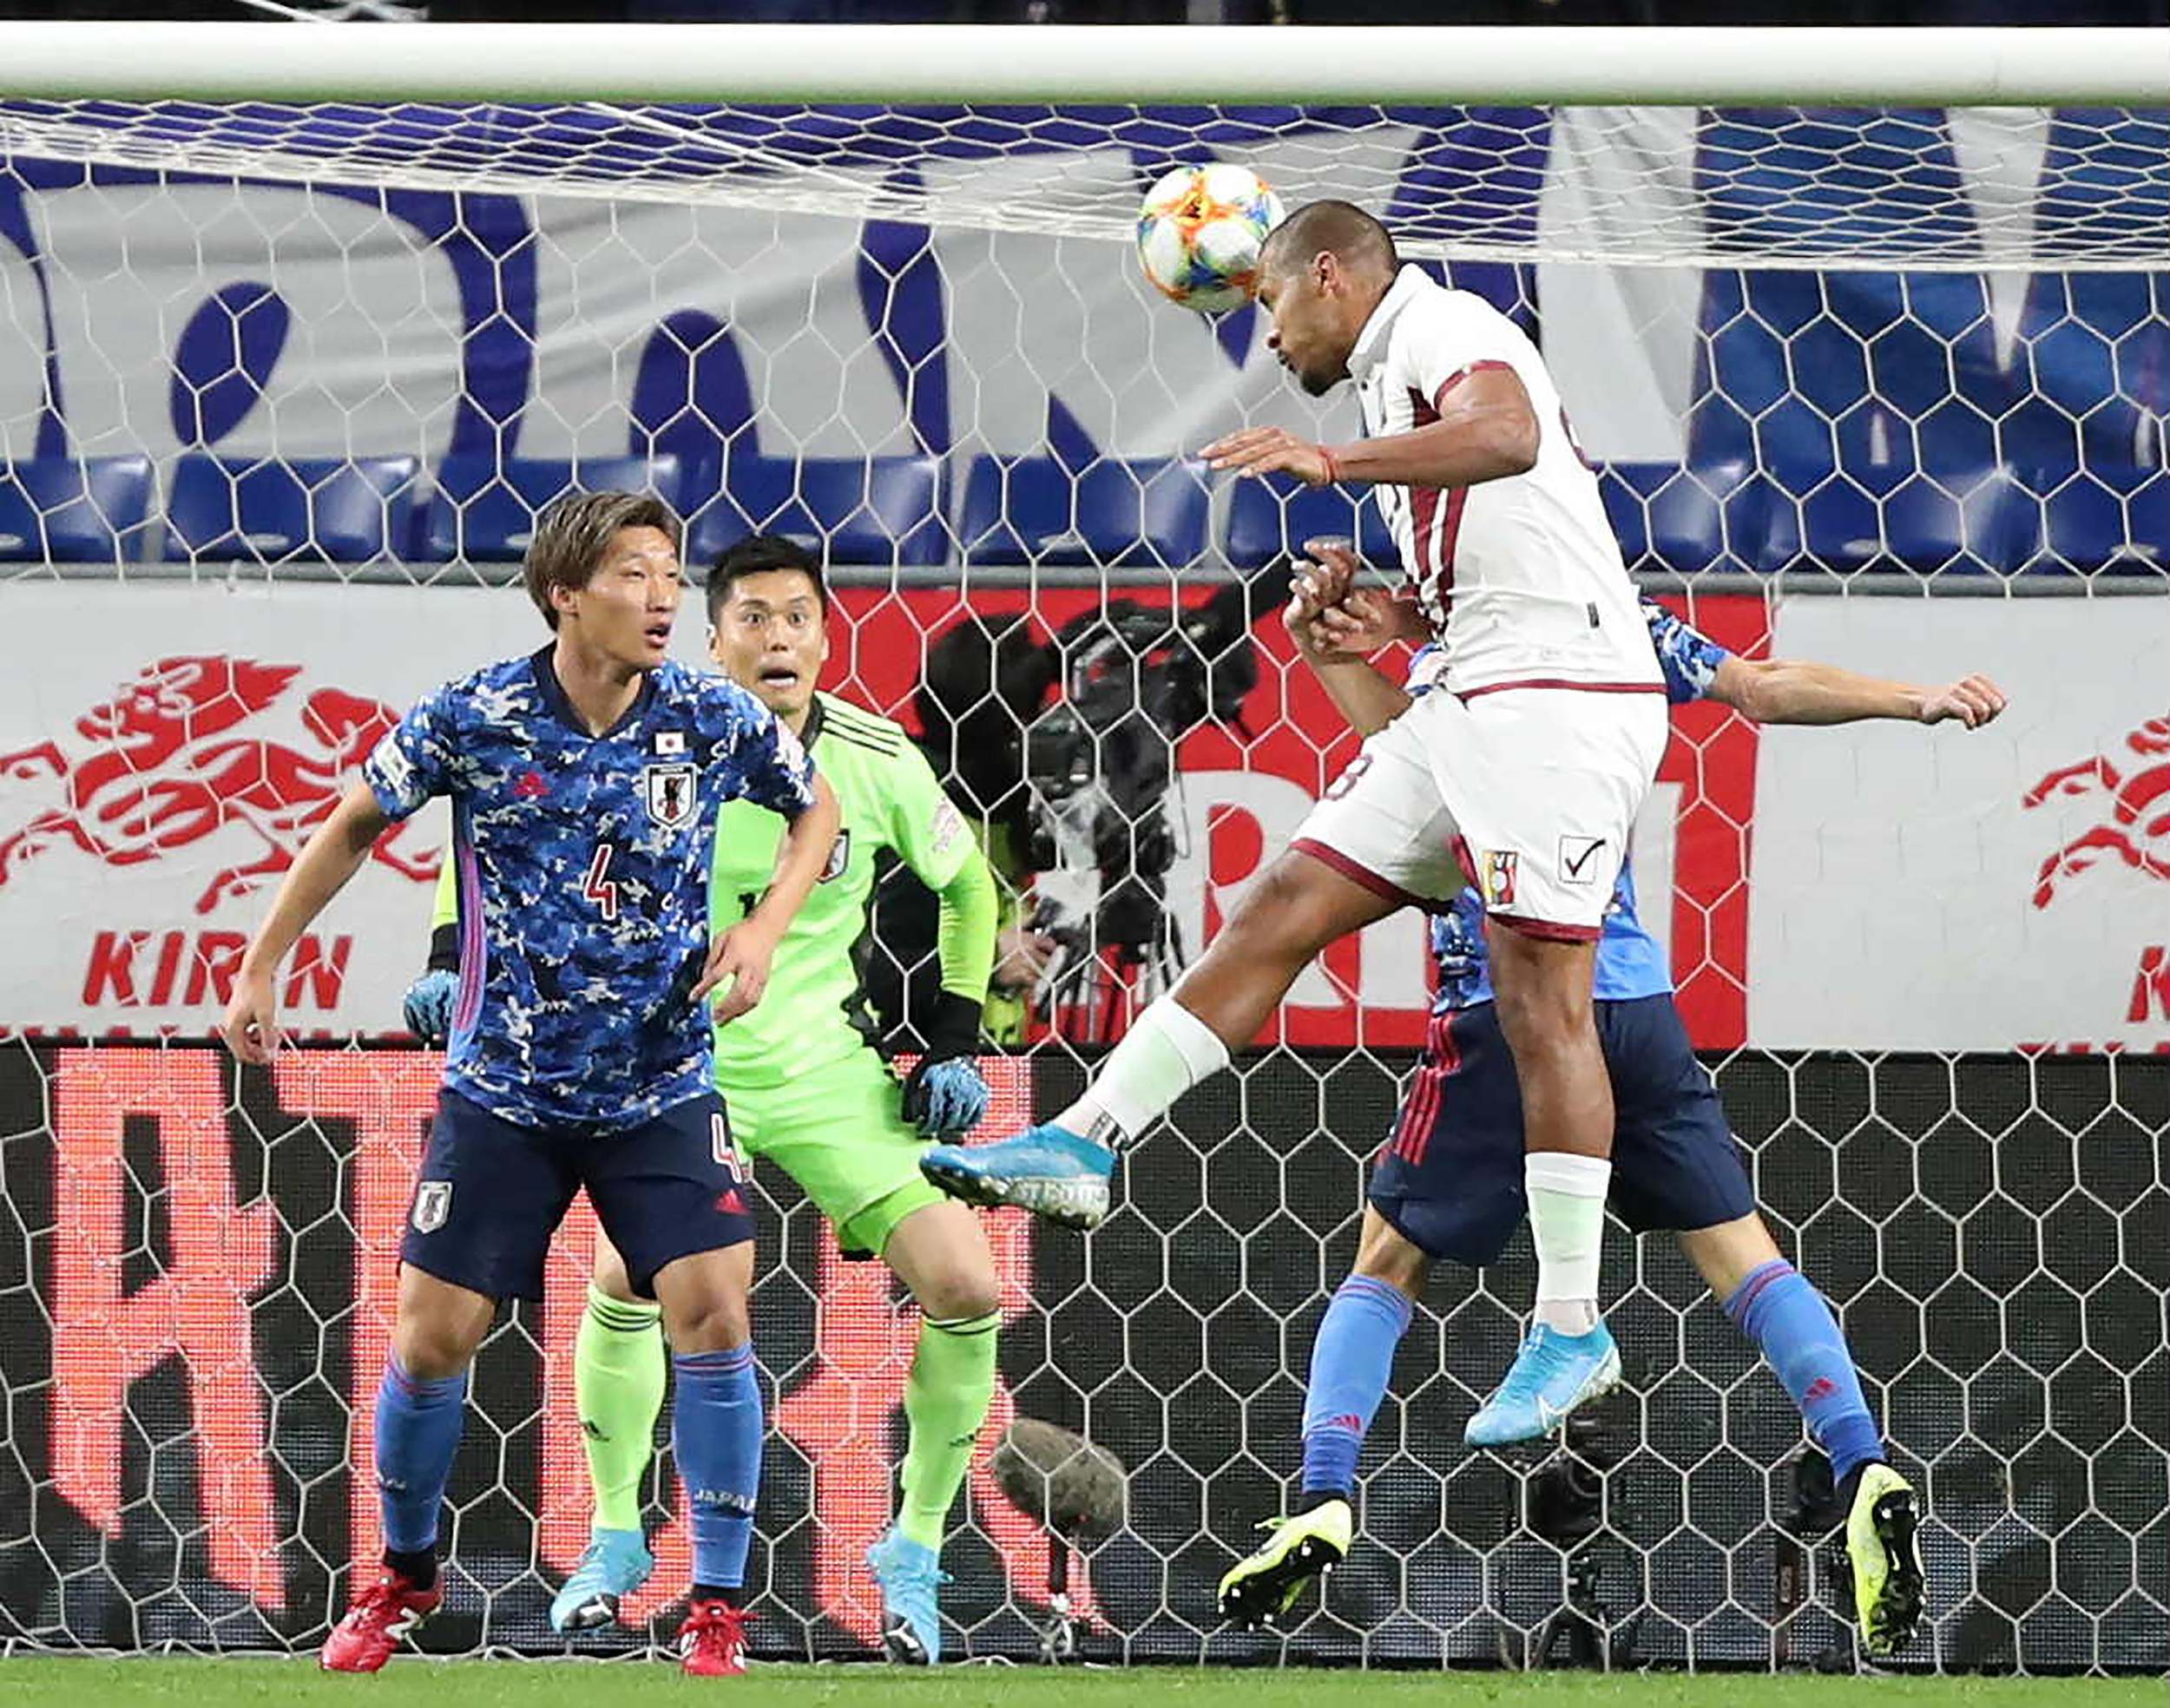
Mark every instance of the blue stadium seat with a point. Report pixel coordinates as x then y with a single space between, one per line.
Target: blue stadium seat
2104 519
483 511
57 510
1968 521
308 508
1111 513
1272 518
1687 517
880 510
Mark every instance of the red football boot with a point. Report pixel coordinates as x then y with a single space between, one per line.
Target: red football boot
381 1615
712 1642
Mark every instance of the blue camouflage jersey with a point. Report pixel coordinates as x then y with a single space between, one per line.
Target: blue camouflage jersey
1629 961
583 864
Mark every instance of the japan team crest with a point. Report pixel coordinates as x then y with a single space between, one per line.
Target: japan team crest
432 1204
670 793
839 856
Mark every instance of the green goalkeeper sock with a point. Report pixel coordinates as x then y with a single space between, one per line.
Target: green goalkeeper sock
946 1397
618 1390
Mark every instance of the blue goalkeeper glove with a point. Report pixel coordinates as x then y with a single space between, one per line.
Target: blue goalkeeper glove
945 1095
428 1006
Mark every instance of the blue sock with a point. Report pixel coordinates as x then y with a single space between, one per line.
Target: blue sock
418 1433
1350 1363
716 1433
1777 1309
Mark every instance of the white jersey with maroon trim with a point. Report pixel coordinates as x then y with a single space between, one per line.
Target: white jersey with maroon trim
1520 578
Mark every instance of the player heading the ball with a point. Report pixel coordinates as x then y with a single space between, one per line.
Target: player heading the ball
585 779
1447 1183
1523 776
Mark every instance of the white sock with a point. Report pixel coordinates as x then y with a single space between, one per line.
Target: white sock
1167 1051
1567 1224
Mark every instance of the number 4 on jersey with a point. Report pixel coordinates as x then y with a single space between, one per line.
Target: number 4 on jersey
599 889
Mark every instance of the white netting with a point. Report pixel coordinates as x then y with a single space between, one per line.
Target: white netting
1785 187
240 344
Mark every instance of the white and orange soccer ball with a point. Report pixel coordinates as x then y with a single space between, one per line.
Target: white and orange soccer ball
1199 234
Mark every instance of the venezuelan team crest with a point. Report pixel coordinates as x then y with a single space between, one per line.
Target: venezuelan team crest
670 792
1500 865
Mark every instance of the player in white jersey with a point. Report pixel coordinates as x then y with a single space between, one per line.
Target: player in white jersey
1526 772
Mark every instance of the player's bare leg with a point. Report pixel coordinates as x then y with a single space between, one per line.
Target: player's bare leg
1350 1361
1567 1360
618 1381
716 1434
1059 1170
1778 1309
939 1251
420 1404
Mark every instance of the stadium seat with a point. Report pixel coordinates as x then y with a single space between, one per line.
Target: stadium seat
1686 517
2106 519
481 511
1111 513
59 510
880 510
1268 519
1968 521
307 507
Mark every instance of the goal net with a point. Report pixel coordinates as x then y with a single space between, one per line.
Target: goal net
282 384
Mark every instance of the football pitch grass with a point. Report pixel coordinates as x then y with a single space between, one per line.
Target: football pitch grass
511 1683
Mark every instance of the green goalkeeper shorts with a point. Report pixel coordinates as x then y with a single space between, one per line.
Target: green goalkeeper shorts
840 1133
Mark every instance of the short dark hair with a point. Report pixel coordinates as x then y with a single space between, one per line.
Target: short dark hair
573 532
1339 228
756 555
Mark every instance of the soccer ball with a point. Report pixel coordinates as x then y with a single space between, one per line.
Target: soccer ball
1199 234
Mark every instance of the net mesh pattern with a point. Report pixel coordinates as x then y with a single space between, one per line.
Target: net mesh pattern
283 391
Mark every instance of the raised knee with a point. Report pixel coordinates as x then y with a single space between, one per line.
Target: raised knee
1384 1254
959 1295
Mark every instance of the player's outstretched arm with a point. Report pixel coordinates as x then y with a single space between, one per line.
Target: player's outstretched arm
742 954
1796 691
333 855
1489 432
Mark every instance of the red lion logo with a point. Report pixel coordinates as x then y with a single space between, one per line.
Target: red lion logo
2137 830
160 772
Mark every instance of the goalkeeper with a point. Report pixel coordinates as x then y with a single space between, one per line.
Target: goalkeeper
806 1088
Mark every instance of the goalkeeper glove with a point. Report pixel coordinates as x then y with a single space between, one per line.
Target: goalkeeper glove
428 1005
945 1095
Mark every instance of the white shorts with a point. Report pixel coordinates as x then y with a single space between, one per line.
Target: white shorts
1529 792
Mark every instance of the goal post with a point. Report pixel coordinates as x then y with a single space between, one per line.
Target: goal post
300 327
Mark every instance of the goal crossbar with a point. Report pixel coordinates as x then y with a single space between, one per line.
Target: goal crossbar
229 61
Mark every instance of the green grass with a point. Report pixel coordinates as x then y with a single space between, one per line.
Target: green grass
468 1683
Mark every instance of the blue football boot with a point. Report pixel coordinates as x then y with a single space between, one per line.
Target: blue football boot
910 1575
1051 1171
1553 1375
615 1563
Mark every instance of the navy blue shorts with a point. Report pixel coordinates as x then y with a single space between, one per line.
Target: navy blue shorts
490 1194
1450 1178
